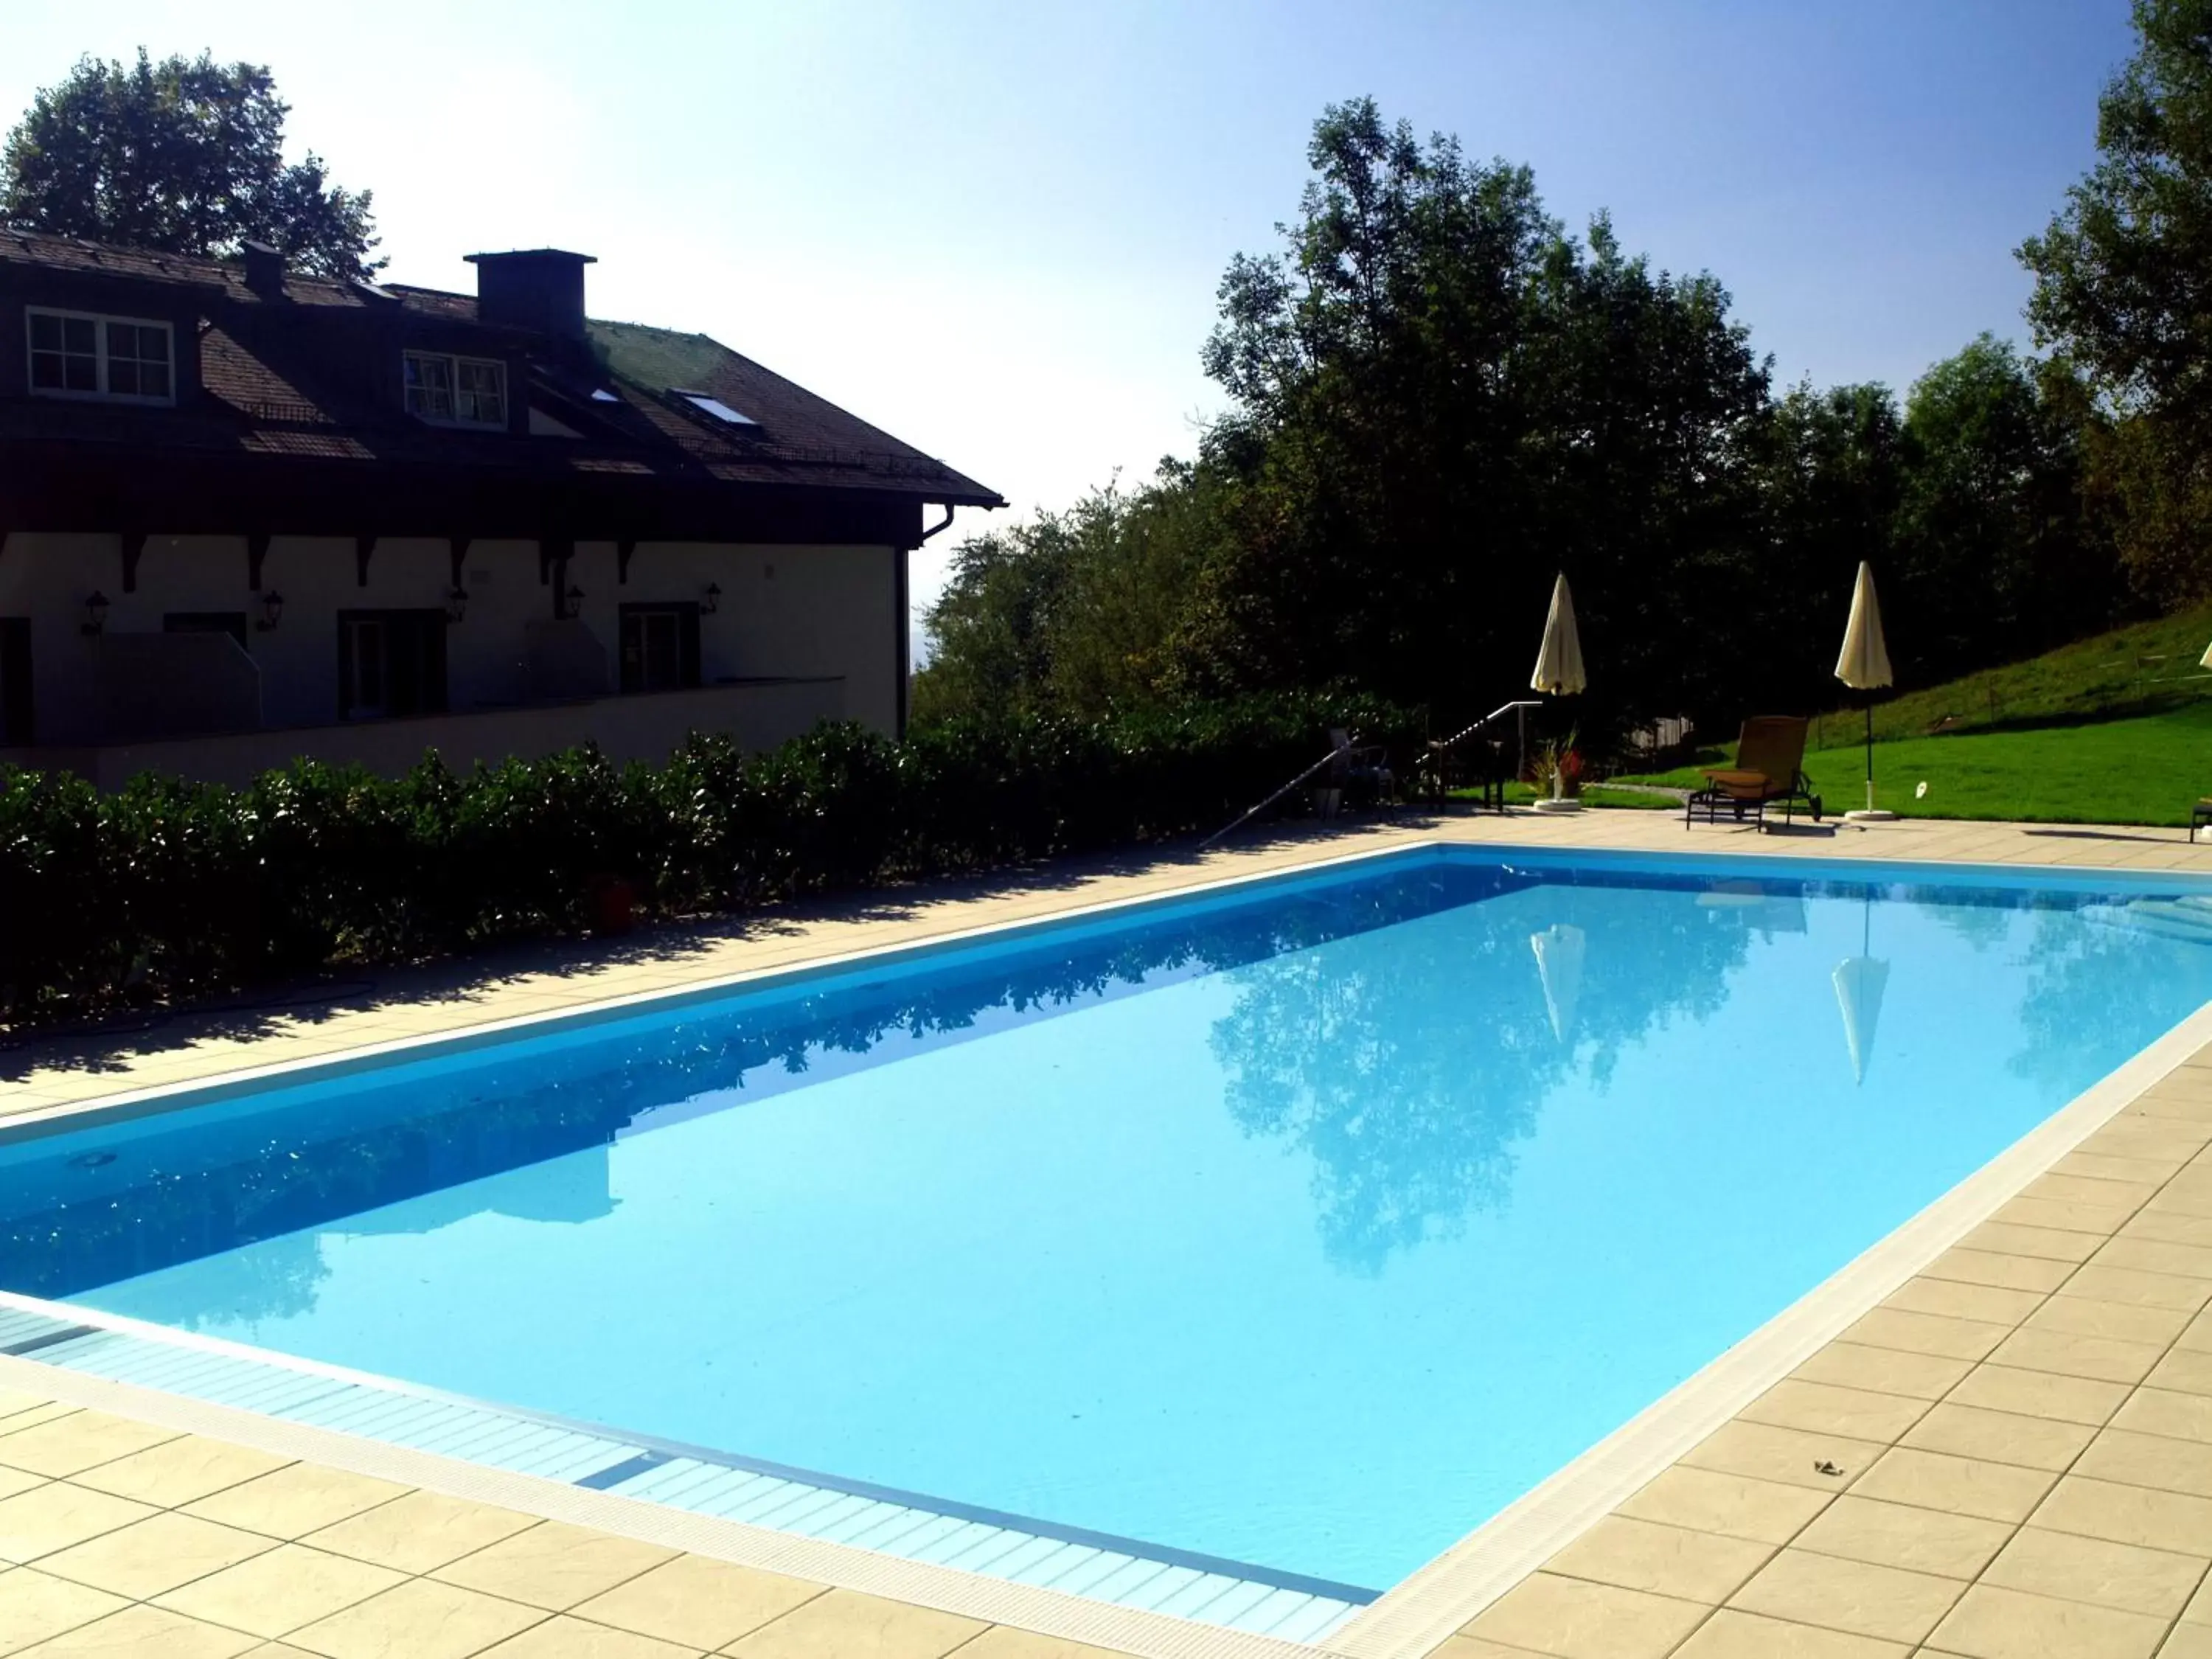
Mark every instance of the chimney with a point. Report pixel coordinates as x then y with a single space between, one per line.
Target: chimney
264 269
539 288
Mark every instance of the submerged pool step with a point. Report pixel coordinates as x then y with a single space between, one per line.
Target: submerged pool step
702 1482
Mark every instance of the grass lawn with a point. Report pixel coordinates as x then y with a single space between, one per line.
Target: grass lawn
2149 769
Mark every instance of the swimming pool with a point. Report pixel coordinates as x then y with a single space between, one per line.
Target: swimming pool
1303 1225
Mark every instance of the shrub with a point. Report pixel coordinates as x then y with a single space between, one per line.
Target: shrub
170 890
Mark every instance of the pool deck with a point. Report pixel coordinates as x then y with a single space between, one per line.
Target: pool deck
2008 1457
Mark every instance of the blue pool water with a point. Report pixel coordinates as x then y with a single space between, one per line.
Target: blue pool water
1306 1226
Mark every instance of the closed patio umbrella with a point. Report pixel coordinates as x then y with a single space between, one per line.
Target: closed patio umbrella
1559 663
1863 665
1560 670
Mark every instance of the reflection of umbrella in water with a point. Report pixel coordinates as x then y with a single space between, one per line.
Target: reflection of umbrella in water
1859 982
1558 950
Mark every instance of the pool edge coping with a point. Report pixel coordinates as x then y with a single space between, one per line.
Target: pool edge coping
1411 1618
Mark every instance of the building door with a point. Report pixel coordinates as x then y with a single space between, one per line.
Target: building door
659 647
392 664
15 728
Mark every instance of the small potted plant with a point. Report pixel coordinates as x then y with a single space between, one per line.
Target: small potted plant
1557 772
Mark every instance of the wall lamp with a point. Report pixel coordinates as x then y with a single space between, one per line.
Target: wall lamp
569 603
272 610
711 601
95 614
457 603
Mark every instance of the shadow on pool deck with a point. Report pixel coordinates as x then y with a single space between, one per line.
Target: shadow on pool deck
112 1045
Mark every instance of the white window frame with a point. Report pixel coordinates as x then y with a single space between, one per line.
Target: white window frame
99 319
454 362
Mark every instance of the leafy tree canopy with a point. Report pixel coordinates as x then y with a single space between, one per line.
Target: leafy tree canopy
184 156
2124 289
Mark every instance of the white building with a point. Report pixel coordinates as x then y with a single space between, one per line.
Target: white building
249 516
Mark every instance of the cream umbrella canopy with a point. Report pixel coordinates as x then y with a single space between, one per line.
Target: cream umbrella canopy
1863 665
1559 662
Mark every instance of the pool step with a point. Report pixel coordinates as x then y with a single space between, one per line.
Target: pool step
703 1482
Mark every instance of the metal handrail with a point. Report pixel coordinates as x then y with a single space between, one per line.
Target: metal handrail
1504 707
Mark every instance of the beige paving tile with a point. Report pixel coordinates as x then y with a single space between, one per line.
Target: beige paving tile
2037 1443
2183 1371
2051 1243
14 1480
34 1605
2157 1582
20 1410
2131 1322
148 1557
2015 1272
280 1590
2149 1171
53 1517
1900 1535
1825 1408
297 1500
1789 1455
78 1441
1004 1642
1883 1370
2150 1255
2103 1192
2101 1220
1990 1623
2148 1460
1857 1596
847 1625
2106 1359
2129 1515
553 1565
562 1637
2162 1410
1956 1299
178 1471
418 1532
1961 1486
419 1618
1570 1619
2040 1394
1733 1505
143 1633
1951 1338
2188 1642
2170 1229
1694 1566
697 1601
1732 1635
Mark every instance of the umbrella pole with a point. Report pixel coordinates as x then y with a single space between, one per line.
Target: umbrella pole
1869 749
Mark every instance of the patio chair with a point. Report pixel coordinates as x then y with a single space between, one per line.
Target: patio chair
1770 758
2199 816
1355 766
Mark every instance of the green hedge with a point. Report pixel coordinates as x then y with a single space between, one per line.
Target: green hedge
173 890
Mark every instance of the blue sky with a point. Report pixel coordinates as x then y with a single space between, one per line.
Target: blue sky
996 229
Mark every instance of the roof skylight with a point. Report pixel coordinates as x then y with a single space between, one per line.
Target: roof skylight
707 404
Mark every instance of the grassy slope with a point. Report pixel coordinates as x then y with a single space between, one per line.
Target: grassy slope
2116 729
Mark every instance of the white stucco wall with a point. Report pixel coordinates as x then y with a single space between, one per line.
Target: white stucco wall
784 611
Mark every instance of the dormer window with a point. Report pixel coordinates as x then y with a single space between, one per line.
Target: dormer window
456 390
77 353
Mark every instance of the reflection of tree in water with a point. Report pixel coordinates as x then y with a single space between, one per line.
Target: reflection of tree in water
2099 981
1406 1064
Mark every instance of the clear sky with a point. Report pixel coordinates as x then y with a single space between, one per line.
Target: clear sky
995 229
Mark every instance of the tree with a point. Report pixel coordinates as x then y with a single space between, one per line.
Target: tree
2124 291
183 156
1997 557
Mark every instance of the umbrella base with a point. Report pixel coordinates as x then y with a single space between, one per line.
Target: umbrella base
1564 804
1870 815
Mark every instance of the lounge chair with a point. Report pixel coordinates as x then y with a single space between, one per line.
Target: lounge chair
2199 816
1355 766
1770 758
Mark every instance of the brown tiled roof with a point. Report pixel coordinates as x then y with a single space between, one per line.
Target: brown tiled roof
261 401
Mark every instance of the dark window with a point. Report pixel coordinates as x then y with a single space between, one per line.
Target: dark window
392 664
15 729
232 623
659 647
